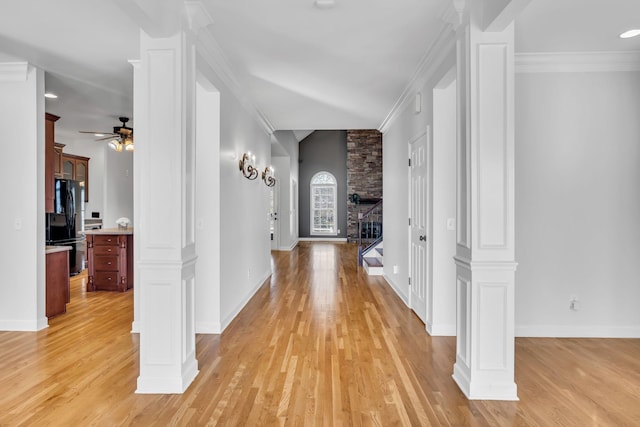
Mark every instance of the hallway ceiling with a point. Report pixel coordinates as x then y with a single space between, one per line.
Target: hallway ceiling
305 68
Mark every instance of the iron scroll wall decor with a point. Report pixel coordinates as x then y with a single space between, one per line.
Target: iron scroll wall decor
267 176
246 167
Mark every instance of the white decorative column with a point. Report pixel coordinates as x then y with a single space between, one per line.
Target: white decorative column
137 197
164 204
485 266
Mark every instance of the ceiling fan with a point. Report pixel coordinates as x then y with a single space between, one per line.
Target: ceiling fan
120 139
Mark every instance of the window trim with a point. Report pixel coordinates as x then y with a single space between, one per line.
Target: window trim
312 210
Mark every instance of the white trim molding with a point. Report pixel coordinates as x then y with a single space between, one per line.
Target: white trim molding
14 71
429 64
397 289
578 331
577 62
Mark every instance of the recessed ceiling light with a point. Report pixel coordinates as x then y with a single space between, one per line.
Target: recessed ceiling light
630 33
50 95
325 4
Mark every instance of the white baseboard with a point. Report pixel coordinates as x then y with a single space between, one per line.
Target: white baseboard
168 384
322 239
135 327
24 325
290 248
208 328
582 331
244 302
441 330
404 297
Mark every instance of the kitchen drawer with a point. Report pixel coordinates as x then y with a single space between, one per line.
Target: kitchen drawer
106 263
105 250
106 280
105 240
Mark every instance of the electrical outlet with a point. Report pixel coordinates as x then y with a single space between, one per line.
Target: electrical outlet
248 274
18 224
395 269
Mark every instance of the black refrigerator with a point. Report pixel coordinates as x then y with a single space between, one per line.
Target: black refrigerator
65 226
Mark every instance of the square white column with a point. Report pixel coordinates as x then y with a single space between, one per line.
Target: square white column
485 265
164 233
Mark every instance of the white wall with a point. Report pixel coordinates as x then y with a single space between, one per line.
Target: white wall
441 307
405 128
208 207
244 205
287 176
577 203
22 259
117 187
283 191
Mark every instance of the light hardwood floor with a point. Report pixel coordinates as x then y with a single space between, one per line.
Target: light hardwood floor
321 344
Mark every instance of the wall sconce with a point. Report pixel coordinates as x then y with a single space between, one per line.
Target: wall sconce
267 176
246 167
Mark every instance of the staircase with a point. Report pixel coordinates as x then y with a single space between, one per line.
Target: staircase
372 261
370 249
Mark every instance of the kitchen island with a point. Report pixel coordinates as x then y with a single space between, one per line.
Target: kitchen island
110 259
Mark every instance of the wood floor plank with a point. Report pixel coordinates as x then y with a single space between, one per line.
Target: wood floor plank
320 344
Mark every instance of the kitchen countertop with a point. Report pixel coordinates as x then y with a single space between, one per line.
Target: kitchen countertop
54 249
111 231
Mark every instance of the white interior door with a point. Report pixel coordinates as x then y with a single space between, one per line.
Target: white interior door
274 230
419 223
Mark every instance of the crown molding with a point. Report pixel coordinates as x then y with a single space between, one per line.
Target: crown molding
577 62
14 71
198 16
432 60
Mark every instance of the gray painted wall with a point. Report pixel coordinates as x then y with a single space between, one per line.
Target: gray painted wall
323 150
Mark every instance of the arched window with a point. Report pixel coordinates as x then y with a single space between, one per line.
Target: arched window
324 214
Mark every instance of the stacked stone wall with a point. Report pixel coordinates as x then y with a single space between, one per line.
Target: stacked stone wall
364 174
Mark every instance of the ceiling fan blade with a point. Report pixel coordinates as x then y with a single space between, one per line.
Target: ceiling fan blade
87 131
108 137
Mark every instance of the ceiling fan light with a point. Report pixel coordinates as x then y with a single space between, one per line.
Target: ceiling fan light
115 145
129 147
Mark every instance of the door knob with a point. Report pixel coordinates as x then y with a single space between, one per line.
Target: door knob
423 238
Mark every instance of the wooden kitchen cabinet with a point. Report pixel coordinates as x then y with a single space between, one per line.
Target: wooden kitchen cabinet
110 259
57 280
76 168
57 159
49 160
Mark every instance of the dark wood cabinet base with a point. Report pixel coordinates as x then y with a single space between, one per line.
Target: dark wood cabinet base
57 286
110 259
